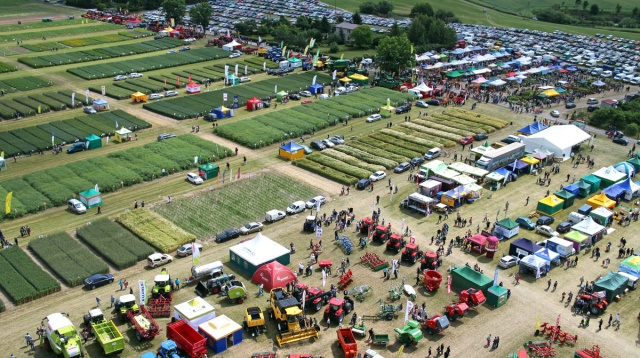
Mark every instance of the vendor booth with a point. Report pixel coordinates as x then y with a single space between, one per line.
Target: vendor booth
92 142
122 135
253 104
221 333
464 277
636 163
590 228
573 189
631 265
251 254
100 105
91 198
626 168
418 202
433 167
523 247
208 171
518 167
601 200
232 79
316 89
192 88
195 312
223 112
622 190
454 197
584 188
549 255
497 296
602 216
138 97
430 187
609 176
531 161
478 243
463 179
506 229
446 173
295 62
534 265
282 96
594 181
566 196
360 79
273 275
291 151
233 45
613 283
577 239
550 205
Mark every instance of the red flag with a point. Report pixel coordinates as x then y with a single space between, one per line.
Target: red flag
238 174
165 82
448 284
189 78
178 81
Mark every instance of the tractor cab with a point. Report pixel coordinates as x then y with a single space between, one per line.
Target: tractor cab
162 285
429 261
95 316
127 303
411 253
381 233
396 242
309 224
365 225
338 308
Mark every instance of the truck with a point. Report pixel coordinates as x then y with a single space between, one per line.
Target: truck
187 338
105 331
562 247
62 337
213 269
495 159
286 310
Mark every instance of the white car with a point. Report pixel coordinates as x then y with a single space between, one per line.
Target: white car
120 78
327 143
76 206
135 75
245 79
373 118
379 175
555 114
194 178
305 93
422 104
296 207
190 39
508 261
170 93
171 51
187 249
313 202
546 231
155 96
158 259
234 55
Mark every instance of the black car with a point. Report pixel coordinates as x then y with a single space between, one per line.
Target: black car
98 280
563 227
402 167
545 220
294 96
211 117
228 235
266 104
621 141
433 102
316 144
266 99
480 136
417 161
570 105
592 108
363 184
403 109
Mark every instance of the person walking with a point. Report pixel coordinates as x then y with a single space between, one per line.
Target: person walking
527 201
131 290
371 334
600 324
113 300
177 283
121 283
489 340
555 285
517 278
447 352
28 338
97 301
548 284
610 319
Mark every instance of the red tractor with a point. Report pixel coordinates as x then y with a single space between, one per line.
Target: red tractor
314 298
456 310
430 261
472 297
381 233
411 253
396 242
594 302
365 225
435 324
338 308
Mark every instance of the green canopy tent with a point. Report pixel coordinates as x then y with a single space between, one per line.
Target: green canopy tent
577 238
566 196
282 95
91 198
464 277
454 74
636 163
594 181
584 188
613 283
497 296
550 205
506 229
92 141
208 171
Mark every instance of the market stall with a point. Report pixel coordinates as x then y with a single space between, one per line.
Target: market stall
208 171
251 254
192 87
626 168
418 202
609 176
221 333
464 277
523 247
550 205
273 275
138 97
497 296
253 104
91 198
291 151
122 135
92 142
195 312
430 187
506 229
566 196
613 283
601 200
590 228
478 243
636 163
584 188
316 89
594 181
548 255
534 265
602 216
573 189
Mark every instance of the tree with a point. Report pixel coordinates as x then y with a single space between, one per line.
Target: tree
384 7
303 22
339 19
333 47
618 8
368 8
635 12
422 9
174 9
248 27
632 130
201 14
135 5
325 25
585 4
578 2
362 36
394 53
594 10
416 31
395 30
357 19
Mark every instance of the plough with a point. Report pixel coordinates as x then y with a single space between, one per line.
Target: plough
374 261
541 349
556 334
360 292
387 311
345 280
347 245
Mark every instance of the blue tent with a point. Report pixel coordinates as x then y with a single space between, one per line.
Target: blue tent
527 130
548 255
627 168
538 126
523 247
100 104
614 192
504 172
316 89
572 188
519 166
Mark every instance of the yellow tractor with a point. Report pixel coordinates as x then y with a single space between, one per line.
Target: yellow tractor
286 310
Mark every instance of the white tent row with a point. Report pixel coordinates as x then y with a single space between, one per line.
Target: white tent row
481 71
557 139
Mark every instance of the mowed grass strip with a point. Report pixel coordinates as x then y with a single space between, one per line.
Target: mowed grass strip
155 230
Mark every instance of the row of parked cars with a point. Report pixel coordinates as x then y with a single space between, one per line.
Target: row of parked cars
327 143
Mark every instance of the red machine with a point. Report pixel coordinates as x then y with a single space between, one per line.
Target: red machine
374 261
411 253
348 342
315 297
594 352
221 40
461 43
365 225
345 280
541 349
429 261
338 308
556 334
187 338
249 50
432 279
456 310
160 307
472 297
595 302
146 326
435 324
396 242
381 233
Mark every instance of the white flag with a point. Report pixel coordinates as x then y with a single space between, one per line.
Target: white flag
228 33
317 207
314 79
142 288
196 253
246 70
116 124
195 160
86 96
230 175
259 40
324 278
236 72
73 100
304 296
264 66
96 188
275 89
409 309
335 73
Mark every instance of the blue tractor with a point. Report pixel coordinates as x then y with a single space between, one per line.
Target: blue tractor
168 349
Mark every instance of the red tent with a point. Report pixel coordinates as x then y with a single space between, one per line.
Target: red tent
273 275
478 243
253 104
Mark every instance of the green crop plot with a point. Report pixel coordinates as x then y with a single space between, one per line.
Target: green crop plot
22 279
155 230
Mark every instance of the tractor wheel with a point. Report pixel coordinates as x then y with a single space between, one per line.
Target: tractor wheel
413 261
430 331
389 316
215 289
341 317
240 300
595 310
318 306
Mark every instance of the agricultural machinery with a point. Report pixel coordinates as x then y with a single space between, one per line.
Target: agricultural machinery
338 308
168 349
410 333
430 261
214 285
396 242
595 302
146 327
411 253
106 332
62 337
456 310
309 224
235 291
472 297
313 298
347 342
432 279
162 285
254 321
435 324
187 339
380 233
387 311
287 312
360 292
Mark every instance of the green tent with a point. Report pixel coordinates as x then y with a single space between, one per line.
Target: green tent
566 196
454 74
464 277
93 141
550 205
636 163
613 283
91 198
584 188
594 181
281 95
577 239
208 171
506 229
497 296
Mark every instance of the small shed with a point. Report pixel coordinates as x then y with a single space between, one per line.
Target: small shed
602 216
613 283
497 296
523 247
100 104
192 87
631 265
138 97
316 89
291 151
550 205
92 141
584 188
601 200
251 254
195 312
221 333
122 135
208 171
232 79
566 196
464 277
91 198
506 229
254 104
594 181
585 209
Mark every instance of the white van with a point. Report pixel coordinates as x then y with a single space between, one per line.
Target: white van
628 78
433 153
620 76
575 218
591 63
596 71
414 92
635 81
367 61
633 281
274 215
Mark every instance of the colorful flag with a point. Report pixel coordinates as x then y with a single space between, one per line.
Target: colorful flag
342 56
408 310
196 253
73 100
305 50
142 289
448 284
538 321
7 203
178 81
238 177
313 42
412 49
283 51
39 109
173 23
314 79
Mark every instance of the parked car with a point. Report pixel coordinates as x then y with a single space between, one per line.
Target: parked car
76 206
187 249
158 259
422 104
89 110
466 140
363 184
155 96
170 93
480 136
296 207
433 102
135 75
245 79
336 139
417 161
305 93
294 97
227 235
316 144
546 230
508 261
164 136
379 175
250 228
171 51
525 223
545 220
564 227
402 167
570 105
234 55
327 143
621 141
313 202
97 280
592 108
210 117
185 48
592 101
120 78
194 178
555 114
76 147
306 149
373 118
403 109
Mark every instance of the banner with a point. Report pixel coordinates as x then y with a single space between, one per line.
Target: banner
224 97
7 203
228 33
324 278
408 310
236 71
224 175
238 177
86 97
259 40
318 230
53 137
96 188
165 83
142 288
284 49
495 277
335 73
230 175
412 49
73 100
342 56
305 50
196 252
189 78
538 321
264 66
173 24
275 89
313 42
246 70
103 90
178 81
39 109
314 79
317 207
304 296
195 160
281 43
448 284
402 228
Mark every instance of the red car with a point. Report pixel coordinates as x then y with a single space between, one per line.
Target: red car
306 101
466 140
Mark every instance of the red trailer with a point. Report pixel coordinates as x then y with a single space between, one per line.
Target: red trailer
347 341
146 326
187 338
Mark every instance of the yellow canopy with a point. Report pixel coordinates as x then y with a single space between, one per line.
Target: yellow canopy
139 97
345 79
551 93
601 200
358 77
168 29
530 160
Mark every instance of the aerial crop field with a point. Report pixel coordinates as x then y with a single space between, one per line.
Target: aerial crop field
22 279
157 231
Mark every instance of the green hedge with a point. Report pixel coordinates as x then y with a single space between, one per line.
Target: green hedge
70 260
326 172
373 150
23 279
401 136
460 123
477 118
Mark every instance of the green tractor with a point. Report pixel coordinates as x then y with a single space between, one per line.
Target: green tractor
126 303
62 337
163 286
410 333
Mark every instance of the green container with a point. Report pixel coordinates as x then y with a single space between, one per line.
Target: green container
109 337
497 296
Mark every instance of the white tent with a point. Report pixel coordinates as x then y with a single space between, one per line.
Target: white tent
532 263
251 254
231 45
557 139
548 255
497 83
610 174
589 227
195 311
423 88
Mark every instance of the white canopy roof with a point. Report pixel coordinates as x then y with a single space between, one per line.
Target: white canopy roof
259 250
557 139
422 88
588 226
609 173
533 261
497 83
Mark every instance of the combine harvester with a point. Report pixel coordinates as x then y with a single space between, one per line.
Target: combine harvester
286 310
62 337
106 332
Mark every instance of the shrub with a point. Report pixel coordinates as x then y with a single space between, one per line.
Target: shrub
326 172
155 230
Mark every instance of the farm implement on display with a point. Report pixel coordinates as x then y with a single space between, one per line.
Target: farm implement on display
395 292
556 334
387 311
346 243
374 261
161 295
360 292
347 342
541 349
432 280
410 333
345 280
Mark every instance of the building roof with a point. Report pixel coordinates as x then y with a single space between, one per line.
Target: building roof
220 327
346 25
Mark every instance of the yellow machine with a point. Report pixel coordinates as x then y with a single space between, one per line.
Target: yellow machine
287 312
